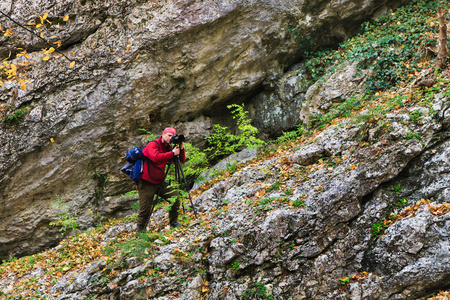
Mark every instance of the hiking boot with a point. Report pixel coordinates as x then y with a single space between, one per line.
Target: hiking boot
141 229
175 224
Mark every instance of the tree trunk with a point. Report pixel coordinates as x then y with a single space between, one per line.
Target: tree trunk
442 40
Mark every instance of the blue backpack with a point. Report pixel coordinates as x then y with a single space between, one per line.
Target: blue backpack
135 163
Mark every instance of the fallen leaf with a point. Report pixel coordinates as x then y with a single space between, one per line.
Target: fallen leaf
113 286
13 69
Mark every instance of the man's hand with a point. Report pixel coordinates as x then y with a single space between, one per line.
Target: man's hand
176 151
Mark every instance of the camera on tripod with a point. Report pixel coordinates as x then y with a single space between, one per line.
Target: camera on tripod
177 139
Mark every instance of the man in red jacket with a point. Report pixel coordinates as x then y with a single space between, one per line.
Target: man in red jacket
159 153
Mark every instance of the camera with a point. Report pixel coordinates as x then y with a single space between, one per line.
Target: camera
177 139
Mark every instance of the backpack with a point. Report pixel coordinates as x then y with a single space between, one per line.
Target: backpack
135 163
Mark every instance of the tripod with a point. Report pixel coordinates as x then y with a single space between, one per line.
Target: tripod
180 178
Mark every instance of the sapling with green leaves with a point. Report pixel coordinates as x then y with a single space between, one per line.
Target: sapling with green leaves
65 220
222 142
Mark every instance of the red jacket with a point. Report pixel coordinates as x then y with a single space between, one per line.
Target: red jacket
159 154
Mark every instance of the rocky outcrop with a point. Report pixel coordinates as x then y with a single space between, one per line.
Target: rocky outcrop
343 84
338 215
139 64
278 106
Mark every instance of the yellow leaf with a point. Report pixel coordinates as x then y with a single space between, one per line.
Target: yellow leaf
128 46
149 291
13 69
54 37
51 50
137 56
66 18
42 35
8 32
58 44
45 16
119 60
31 23
46 58
24 85
38 26
72 64
42 20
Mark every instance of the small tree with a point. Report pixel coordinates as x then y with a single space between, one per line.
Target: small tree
223 143
442 40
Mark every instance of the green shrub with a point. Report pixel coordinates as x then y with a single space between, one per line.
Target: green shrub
292 135
378 228
257 291
65 220
139 246
298 202
16 117
222 142
413 135
391 47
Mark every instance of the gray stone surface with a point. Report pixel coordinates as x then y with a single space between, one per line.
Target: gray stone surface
185 61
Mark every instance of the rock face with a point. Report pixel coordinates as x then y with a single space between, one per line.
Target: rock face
278 106
139 64
341 86
303 224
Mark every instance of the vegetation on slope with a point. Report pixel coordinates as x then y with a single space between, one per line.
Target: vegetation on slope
399 48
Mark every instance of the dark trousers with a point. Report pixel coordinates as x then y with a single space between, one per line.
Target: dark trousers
147 192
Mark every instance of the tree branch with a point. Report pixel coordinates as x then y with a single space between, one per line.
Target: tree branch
32 32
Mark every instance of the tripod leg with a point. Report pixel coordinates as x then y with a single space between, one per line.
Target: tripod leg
155 200
177 162
178 180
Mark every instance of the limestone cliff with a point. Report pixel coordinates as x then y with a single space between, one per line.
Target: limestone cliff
356 208
139 64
